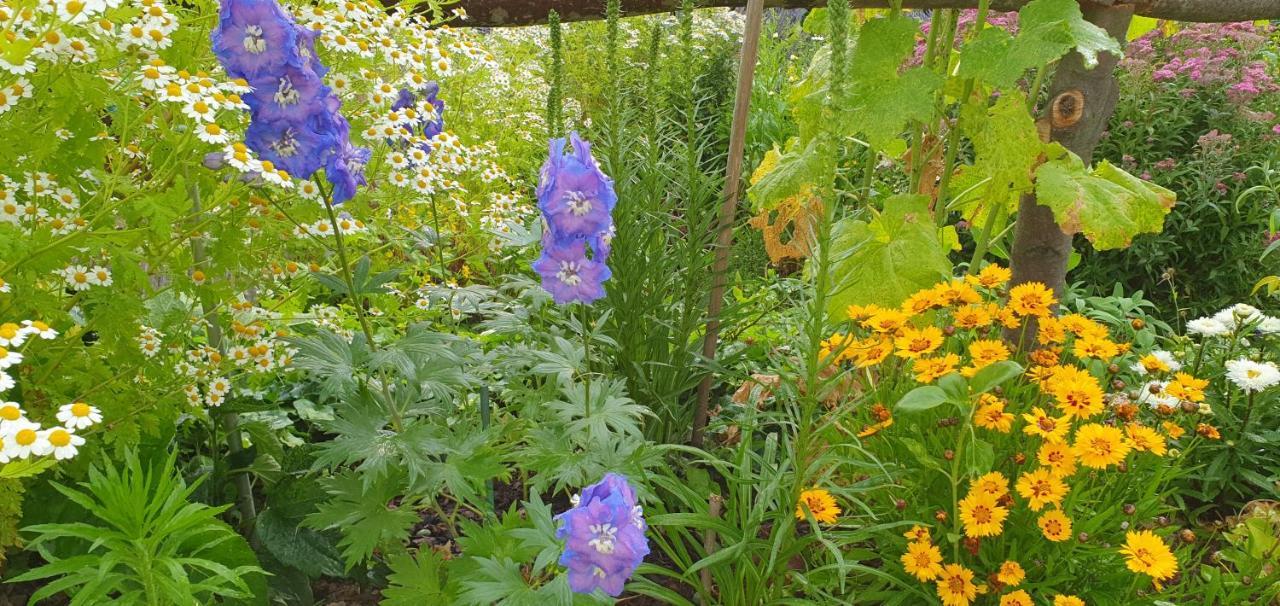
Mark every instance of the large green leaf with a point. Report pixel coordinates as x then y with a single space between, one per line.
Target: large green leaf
1047 30
786 173
1006 148
883 261
1108 205
416 580
883 98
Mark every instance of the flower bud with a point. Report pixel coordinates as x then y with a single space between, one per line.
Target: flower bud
214 160
1129 509
1138 323
949 454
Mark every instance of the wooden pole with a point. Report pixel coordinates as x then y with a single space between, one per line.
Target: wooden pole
729 208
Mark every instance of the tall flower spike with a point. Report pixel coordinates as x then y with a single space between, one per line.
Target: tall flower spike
254 38
604 537
574 195
568 273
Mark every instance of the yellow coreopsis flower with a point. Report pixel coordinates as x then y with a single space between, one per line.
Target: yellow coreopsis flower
1186 387
1031 299
955 586
983 353
1146 439
820 503
1040 423
1055 525
991 414
914 343
1099 347
1174 430
1145 553
922 560
1067 600
886 321
1011 573
1058 457
1076 392
993 483
929 370
1041 487
992 276
971 317
1098 446
982 515
1017 598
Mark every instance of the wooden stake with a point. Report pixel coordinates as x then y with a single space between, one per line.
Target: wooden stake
729 208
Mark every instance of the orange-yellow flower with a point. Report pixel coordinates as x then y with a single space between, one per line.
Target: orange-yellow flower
1058 457
1145 553
1011 573
1031 299
1055 525
1098 446
1076 392
929 370
1040 423
991 414
871 351
886 321
918 342
1067 600
1041 487
956 292
922 301
1017 598
918 534
971 317
862 312
1174 430
993 483
1050 331
955 586
992 276
820 503
1186 387
1146 439
983 353
982 515
1208 431
923 560
1099 347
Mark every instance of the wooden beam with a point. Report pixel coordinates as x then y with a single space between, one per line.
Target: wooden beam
503 13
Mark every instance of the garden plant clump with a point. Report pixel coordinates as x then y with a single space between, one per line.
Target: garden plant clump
346 302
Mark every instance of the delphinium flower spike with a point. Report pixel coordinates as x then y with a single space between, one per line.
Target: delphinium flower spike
576 199
604 536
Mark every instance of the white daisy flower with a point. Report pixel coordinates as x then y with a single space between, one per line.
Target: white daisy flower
79 415
10 412
60 442
1238 315
6 382
8 358
1207 327
100 276
12 335
77 277
36 327
212 133
22 438
203 110
219 386
1252 376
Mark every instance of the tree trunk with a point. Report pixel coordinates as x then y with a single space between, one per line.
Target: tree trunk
501 13
1082 101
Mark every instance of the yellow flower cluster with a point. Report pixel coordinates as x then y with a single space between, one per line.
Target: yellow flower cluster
1059 409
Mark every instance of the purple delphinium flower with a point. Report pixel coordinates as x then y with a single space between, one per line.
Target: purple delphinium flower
568 273
254 38
573 194
604 536
296 123
431 128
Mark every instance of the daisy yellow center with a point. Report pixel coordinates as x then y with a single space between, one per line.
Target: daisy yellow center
59 438
10 413
1252 373
25 437
80 409
8 330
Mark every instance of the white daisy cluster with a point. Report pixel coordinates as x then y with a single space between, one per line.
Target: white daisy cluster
72 31
347 225
80 278
1251 376
21 438
252 347
1233 319
39 202
150 341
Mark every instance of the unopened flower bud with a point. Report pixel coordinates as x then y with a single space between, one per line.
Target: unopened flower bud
1113 368
1129 509
949 454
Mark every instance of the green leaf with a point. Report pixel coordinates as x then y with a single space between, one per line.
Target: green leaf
1006 147
786 174
25 468
416 580
883 98
298 546
1047 30
365 514
883 261
921 398
981 457
993 375
956 387
1108 205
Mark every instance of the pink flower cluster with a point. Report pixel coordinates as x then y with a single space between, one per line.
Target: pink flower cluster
964 27
1207 55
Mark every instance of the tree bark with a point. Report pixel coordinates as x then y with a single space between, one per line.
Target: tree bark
1082 101
502 13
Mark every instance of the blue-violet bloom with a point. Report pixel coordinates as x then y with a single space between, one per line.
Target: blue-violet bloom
604 537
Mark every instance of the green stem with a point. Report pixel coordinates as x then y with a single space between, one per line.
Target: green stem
439 243
586 362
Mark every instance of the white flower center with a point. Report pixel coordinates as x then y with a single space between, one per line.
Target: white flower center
254 42
286 145
568 273
579 203
604 539
286 94
637 517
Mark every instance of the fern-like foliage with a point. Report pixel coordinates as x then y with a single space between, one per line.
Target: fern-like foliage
142 541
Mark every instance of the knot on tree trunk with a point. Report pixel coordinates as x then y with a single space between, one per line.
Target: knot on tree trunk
1067 109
